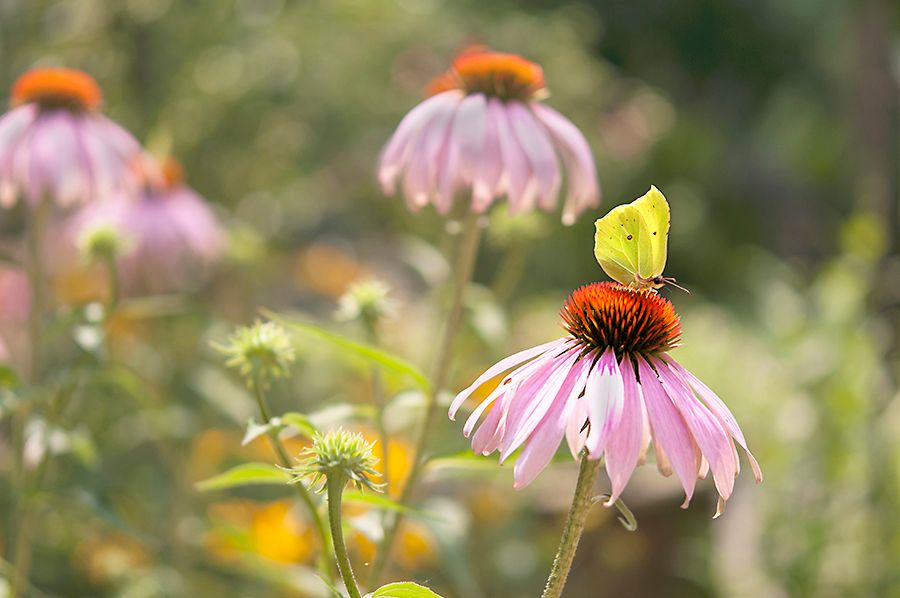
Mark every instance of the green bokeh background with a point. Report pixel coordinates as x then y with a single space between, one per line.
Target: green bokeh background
771 127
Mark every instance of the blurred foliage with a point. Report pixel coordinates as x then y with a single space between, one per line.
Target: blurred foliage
754 118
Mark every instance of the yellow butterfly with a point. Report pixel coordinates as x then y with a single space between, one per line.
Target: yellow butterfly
632 240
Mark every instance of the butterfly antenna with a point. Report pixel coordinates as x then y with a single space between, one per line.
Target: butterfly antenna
675 284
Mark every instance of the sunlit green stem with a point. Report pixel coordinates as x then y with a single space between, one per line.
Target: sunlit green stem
285 459
379 400
465 265
335 488
115 287
578 512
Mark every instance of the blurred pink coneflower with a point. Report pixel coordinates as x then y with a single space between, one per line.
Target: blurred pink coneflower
609 387
55 143
167 233
484 129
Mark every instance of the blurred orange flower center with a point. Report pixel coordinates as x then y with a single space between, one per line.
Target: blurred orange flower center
172 173
608 314
496 74
57 88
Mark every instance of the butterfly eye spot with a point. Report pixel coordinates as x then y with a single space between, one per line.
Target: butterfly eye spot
654 233
629 237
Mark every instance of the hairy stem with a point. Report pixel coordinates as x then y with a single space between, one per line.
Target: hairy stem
578 512
335 486
302 491
465 265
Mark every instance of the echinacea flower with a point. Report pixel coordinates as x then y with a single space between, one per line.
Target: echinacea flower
484 129
169 233
611 388
55 143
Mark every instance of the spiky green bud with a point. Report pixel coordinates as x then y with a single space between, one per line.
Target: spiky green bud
367 300
101 243
259 352
338 453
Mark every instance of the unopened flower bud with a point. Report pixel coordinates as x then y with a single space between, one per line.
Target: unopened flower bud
338 453
367 300
101 243
259 352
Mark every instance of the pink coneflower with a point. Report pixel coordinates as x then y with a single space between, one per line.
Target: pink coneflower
169 231
54 143
611 388
484 129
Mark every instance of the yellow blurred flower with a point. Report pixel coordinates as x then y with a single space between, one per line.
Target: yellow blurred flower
326 269
272 530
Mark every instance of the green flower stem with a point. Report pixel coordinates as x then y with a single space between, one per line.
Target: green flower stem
465 265
115 286
378 399
578 512
335 488
36 220
301 490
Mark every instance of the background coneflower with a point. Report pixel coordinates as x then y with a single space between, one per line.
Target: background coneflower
55 143
484 129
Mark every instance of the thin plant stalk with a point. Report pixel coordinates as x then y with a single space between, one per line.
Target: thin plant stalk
335 488
36 219
568 543
379 401
467 252
285 459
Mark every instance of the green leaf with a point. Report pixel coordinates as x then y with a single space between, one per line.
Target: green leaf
368 352
462 463
301 422
403 589
376 500
255 430
247 474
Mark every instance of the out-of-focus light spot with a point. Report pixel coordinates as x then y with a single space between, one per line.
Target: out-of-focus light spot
220 70
71 18
630 130
147 11
256 13
272 62
326 268
420 7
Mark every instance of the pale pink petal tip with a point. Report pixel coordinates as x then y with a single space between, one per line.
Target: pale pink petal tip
68 157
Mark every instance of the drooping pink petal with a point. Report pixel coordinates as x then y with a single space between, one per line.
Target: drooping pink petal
464 140
670 432
605 394
718 407
707 430
544 440
488 435
516 179
623 448
583 189
537 146
397 151
487 168
533 400
504 365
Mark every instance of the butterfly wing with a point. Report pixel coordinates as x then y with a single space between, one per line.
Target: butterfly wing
619 242
654 211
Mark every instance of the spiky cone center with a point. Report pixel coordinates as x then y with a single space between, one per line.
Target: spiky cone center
495 74
52 88
636 322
